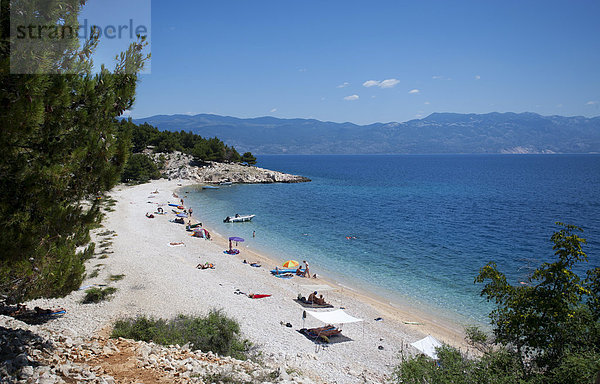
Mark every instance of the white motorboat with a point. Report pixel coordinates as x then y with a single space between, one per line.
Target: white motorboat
238 218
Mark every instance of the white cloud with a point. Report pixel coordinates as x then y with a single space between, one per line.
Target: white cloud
273 110
413 91
427 103
592 102
344 84
351 98
477 77
371 83
437 77
302 70
388 83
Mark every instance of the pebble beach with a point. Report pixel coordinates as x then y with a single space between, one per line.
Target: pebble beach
161 280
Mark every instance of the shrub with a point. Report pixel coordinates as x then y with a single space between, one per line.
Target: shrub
116 277
139 169
215 332
96 295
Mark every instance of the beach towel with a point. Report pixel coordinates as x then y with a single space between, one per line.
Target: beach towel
257 295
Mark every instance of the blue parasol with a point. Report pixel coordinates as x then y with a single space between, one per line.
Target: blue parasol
181 215
236 239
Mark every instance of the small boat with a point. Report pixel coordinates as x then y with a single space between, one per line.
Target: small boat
209 187
238 218
225 183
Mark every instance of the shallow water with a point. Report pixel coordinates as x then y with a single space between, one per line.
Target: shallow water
423 225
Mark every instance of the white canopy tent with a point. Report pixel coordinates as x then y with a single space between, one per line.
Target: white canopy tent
427 346
334 317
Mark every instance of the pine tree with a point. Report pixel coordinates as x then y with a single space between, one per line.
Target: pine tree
60 149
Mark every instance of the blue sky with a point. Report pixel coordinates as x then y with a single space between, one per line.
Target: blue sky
369 62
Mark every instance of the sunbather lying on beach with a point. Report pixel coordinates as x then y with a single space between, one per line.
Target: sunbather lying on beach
206 265
255 264
300 272
149 215
327 331
176 243
41 311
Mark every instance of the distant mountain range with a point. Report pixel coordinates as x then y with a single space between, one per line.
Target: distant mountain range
437 133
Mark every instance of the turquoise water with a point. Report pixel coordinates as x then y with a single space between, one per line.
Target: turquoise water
424 225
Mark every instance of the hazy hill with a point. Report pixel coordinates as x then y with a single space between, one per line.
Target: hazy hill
437 133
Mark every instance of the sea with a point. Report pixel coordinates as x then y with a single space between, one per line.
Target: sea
414 229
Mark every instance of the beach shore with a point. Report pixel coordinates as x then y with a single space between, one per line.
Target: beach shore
161 280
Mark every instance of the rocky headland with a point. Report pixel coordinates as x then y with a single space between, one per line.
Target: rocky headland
179 166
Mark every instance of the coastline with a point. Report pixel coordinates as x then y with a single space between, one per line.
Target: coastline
162 281
408 317
441 327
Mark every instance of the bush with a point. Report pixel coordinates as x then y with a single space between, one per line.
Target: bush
140 169
96 295
116 277
249 158
215 332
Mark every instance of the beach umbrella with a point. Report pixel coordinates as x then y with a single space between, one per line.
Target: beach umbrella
291 264
236 239
181 215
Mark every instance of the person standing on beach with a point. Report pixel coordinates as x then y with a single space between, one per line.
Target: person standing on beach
190 211
306 269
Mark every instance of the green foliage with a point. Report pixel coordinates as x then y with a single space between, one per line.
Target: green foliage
248 158
539 318
144 136
96 295
116 277
140 169
60 149
546 331
215 332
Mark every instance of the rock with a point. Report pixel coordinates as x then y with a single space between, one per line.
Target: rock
180 166
145 350
26 372
65 369
283 375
